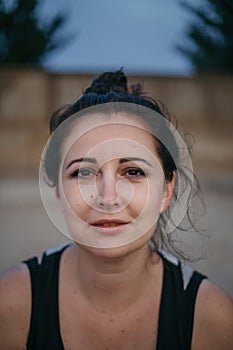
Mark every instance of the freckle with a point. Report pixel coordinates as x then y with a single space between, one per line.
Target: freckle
138 319
91 196
103 311
111 320
10 308
75 292
122 331
22 328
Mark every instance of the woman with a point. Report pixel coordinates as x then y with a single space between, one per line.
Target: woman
114 163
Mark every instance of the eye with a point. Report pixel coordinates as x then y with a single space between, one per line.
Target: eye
84 173
134 173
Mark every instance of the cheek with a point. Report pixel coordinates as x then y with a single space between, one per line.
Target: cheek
73 199
155 197
139 198
147 199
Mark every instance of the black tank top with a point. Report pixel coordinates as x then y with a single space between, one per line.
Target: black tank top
175 316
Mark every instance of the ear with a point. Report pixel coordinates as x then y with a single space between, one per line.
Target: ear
168 192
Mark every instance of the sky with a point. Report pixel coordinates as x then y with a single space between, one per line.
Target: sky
138 35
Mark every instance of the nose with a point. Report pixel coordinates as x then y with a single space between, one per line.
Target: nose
107 191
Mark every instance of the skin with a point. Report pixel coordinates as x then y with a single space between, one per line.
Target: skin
116 177
114 293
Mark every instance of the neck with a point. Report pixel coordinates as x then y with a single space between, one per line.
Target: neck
117 281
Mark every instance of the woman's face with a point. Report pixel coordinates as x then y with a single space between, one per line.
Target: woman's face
111 184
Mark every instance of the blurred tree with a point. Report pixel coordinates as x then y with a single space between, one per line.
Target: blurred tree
24 39
210 36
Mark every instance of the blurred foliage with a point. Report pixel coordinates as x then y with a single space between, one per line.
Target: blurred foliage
24 38
210 36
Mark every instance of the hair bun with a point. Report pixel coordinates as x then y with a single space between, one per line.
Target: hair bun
109 81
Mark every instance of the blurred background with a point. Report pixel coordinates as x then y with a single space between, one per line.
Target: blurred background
50 51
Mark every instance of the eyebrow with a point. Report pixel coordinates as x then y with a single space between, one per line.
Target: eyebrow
121 160
89 160
133 159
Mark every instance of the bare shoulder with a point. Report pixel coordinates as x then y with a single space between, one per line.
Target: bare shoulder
15 307
213 320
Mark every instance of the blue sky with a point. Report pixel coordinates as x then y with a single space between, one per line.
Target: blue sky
139 35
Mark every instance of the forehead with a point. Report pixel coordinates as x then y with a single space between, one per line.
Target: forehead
82 125
116 133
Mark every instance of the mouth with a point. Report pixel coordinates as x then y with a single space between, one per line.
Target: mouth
109 224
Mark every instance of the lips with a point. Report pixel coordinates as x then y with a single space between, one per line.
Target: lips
109 223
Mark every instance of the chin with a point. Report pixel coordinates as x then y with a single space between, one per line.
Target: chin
120 251
112 252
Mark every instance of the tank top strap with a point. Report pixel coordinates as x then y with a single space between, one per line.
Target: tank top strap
172 309
190 298
177 308
44 330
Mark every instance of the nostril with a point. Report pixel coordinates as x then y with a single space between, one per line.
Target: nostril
108 202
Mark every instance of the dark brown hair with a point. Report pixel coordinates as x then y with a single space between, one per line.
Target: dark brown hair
109 88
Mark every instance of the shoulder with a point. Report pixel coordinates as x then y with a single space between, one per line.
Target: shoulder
213 319
15 307
16 300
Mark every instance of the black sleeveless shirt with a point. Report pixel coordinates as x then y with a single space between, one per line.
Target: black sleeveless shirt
175 316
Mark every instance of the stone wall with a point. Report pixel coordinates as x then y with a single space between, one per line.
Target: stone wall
203 105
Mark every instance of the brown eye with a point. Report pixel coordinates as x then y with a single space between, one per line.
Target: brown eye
134 173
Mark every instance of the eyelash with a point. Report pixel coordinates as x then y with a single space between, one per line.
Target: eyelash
90 173
140 172
77 173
